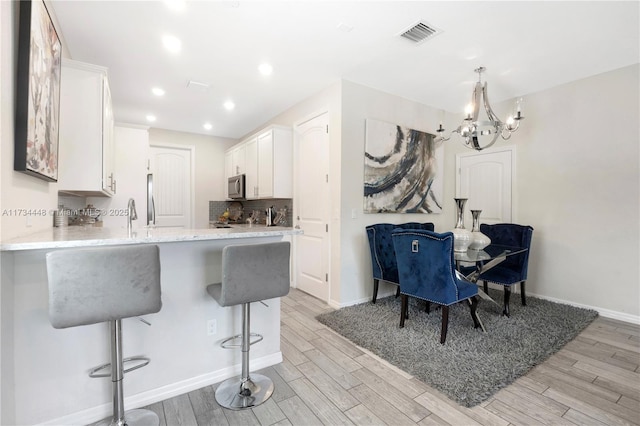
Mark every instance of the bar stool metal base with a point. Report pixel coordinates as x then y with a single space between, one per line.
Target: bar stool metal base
139 417
235 394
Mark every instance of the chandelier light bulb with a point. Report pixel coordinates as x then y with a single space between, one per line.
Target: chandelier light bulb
468 111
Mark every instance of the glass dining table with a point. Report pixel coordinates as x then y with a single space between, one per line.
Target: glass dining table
483 260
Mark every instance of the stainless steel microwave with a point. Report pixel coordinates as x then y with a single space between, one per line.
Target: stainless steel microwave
235 187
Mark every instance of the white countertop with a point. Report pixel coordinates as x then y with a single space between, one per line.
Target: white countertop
81 236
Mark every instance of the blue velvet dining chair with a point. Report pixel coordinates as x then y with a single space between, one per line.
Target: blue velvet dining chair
514 268
426 270
383 257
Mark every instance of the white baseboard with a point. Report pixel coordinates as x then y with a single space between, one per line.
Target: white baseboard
143 399
381 294
607 313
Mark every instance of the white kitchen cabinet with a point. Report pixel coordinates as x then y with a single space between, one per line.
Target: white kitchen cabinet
86 151
234 161
251 175
274 171
266 160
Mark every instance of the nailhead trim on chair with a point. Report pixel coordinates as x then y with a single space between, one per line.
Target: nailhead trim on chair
448 237
375 252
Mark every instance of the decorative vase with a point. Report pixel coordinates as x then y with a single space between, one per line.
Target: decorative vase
478 239
461 236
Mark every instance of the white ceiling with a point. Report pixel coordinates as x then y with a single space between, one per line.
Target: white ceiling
525 46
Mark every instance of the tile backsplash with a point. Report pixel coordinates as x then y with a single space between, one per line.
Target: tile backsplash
217 208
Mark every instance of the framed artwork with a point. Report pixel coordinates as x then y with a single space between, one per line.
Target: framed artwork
37 93
402 170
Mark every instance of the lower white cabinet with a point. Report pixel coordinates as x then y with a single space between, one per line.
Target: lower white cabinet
86 151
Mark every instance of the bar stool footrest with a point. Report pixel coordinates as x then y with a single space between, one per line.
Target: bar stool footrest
143 362
226 345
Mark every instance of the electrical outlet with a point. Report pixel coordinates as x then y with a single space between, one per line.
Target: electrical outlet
212 327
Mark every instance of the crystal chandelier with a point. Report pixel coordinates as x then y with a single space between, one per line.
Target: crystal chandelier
480 134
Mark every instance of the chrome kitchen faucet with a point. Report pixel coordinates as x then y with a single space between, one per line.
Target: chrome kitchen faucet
131 214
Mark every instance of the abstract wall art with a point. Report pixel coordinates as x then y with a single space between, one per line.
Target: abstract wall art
37 93
402 170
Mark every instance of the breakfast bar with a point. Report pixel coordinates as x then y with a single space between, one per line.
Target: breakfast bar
44 370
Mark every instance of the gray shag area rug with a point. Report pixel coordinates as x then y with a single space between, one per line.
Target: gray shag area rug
471 365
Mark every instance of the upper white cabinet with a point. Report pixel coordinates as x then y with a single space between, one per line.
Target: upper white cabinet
251 175
86 159
275 163
234 161
270 171
268 163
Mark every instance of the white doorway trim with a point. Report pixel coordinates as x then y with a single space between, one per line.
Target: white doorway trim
192 159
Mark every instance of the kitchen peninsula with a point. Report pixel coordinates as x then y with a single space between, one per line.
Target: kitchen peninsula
44 370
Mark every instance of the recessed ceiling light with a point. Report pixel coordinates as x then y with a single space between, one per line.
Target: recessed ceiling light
151 118
229 105
207 126
157 91
265 69
175 5
172 43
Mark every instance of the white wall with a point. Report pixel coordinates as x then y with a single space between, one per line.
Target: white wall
209 167
358 104
18 190
578 186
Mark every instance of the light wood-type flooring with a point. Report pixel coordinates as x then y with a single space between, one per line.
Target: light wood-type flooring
326 380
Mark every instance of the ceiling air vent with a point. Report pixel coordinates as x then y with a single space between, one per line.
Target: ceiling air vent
420 32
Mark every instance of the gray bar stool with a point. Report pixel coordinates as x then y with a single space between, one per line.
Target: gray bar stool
250 273
93 285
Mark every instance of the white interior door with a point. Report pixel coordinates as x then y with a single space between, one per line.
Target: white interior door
171 168
485 178
312 206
